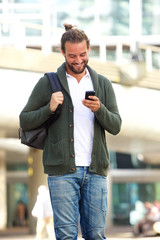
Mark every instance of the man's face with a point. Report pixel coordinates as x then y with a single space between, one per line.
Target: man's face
76 56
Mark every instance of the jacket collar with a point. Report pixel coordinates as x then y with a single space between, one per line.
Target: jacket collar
94 77
61 72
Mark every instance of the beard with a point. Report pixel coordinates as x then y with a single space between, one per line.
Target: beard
73 68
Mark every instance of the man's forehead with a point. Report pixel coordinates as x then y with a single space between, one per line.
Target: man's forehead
76 47
75 44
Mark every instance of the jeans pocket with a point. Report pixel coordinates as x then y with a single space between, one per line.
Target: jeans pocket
104 200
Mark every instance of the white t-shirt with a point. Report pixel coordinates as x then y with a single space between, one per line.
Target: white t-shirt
83 119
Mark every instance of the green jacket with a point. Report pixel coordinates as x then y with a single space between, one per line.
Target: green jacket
58 154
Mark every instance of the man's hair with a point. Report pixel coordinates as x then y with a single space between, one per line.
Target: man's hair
73 35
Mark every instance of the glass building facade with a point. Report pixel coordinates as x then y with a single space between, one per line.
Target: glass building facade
28 22
127 194
104 17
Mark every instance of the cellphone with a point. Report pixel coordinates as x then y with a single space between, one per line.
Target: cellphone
89 93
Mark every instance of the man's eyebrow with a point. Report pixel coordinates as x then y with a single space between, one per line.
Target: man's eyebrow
72 54
83 53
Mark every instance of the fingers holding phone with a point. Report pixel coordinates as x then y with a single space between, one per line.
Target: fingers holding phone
88 94
91 101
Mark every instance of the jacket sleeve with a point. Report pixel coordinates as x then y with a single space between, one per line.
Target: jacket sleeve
37 110
108 114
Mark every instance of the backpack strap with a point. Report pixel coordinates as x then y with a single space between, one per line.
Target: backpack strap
54 81
56 87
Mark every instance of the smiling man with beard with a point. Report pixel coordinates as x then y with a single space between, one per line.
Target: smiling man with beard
75 155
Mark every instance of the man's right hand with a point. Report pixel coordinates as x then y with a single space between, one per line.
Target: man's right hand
56 99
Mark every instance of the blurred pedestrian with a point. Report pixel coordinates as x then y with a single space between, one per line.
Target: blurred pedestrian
146 225
42 210
21 214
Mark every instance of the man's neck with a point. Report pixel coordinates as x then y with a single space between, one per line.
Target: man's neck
77 76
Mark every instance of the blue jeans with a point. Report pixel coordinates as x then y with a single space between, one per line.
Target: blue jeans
81 193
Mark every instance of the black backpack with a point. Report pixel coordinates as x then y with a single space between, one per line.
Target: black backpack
36 138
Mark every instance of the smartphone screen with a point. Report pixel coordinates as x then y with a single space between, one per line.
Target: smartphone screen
89 93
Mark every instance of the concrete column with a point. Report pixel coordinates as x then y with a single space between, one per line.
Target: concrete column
119 53
19 37
103 51
46 31
36 178
3 184
135 22
155 22
149 59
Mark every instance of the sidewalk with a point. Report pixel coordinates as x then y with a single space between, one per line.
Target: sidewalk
115 233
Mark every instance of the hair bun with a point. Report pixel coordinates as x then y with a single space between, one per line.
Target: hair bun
68 26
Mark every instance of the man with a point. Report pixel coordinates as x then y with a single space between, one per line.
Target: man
75 156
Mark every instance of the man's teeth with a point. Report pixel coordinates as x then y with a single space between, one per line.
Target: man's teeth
78 64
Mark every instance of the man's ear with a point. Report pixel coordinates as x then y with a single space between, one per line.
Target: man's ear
88 48
63 53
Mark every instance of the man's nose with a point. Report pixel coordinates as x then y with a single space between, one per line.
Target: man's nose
79 60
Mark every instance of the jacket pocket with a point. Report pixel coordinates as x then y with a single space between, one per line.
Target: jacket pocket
55 154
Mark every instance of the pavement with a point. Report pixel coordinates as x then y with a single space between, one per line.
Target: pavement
114 233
